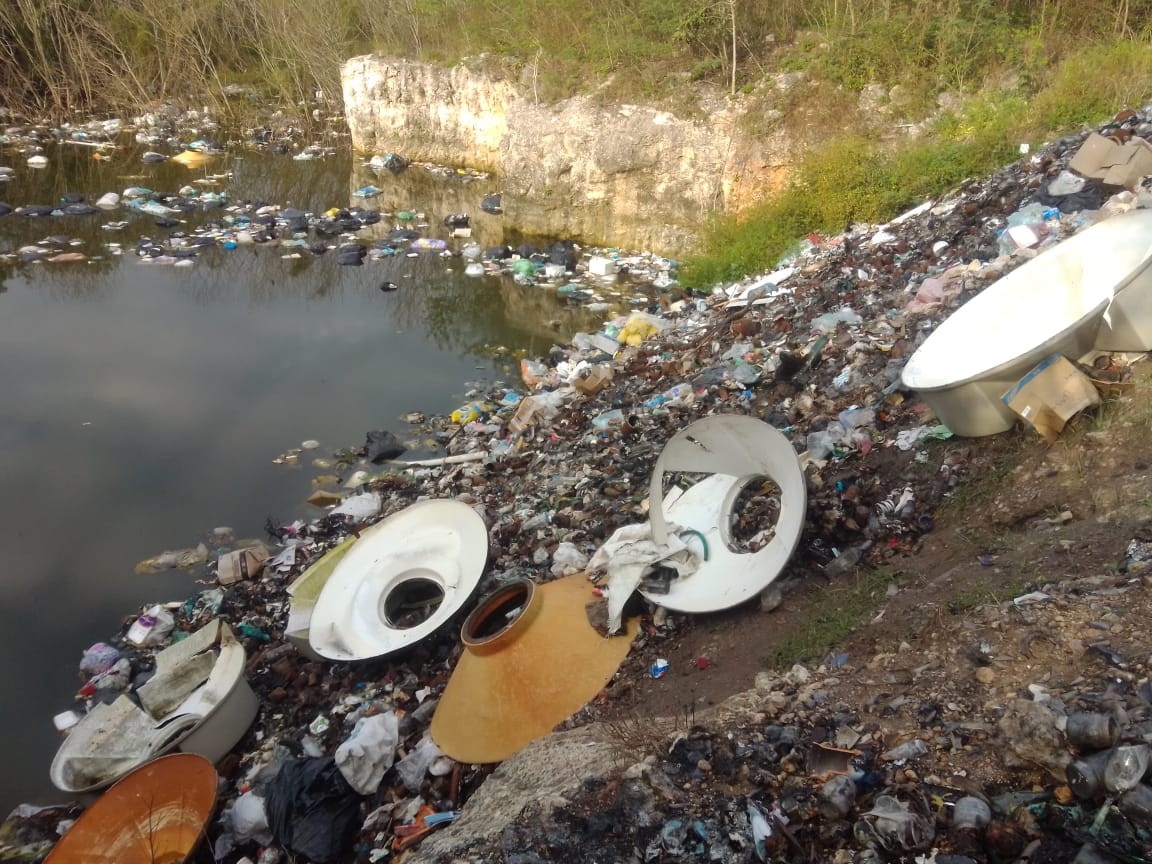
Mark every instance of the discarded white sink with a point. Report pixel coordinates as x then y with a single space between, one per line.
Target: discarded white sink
736 451
197 702
432 551
1051 305
304 592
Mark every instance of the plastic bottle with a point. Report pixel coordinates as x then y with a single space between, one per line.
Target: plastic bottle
1126 767
1086 775
467 413
1137 802
971 813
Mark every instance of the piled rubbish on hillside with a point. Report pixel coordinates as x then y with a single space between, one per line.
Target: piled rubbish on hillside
813 781
554 468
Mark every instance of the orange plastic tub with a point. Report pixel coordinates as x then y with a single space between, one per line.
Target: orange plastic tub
154 815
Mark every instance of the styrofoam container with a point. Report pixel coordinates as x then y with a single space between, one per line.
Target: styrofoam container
601 266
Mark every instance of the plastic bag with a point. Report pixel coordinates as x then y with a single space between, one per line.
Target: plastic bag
250 820
312 810
173 559
369 751
898 826
829 321
567 559
99 658
359 508
380 445
152 627
412 768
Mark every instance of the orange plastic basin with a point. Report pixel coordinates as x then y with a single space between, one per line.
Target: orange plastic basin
155 815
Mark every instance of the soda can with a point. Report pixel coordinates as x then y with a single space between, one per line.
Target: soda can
659 669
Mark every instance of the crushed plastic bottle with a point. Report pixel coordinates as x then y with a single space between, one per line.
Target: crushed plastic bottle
829 321
1126 767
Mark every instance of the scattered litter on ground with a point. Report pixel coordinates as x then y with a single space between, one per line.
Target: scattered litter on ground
558 463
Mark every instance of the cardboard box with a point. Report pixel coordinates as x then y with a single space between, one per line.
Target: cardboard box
595 380
1137 164
1096 156
246 563
1112 163
531 411
1050 395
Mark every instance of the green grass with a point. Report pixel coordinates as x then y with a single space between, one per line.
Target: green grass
854 177
838 613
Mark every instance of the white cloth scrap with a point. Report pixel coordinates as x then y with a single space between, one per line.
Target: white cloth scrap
630 553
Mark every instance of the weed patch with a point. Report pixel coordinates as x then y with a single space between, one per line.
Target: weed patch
834 613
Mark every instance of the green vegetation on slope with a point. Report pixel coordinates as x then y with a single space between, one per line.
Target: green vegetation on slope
847 177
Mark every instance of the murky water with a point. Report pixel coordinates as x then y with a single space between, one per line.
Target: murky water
143 405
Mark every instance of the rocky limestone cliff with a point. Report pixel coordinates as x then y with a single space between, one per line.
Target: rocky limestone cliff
626 175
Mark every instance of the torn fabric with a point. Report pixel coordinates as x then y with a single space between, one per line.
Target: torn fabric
629 554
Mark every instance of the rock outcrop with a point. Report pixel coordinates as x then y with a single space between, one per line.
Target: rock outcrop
618 174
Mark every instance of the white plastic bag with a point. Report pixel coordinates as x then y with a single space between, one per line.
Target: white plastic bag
415 765
250 820
567 559
369 751
151 628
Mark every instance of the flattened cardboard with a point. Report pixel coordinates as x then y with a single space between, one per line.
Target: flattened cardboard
1113 163
1137 164
1050 395
1096 156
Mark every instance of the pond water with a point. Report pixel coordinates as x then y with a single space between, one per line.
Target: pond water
143 405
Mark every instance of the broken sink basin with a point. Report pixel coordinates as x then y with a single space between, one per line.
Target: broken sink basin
1053 304
736 451
198 702
405 577
1119 249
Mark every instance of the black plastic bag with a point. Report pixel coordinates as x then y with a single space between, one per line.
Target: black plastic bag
312 810
381 445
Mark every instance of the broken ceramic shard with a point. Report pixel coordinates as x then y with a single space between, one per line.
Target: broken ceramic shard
404 578
198 701
155 815
531 659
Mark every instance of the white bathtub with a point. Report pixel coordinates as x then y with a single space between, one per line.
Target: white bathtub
1093 290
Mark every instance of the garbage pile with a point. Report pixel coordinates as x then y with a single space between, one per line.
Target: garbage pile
339 760
1000 739
179 227
823 788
